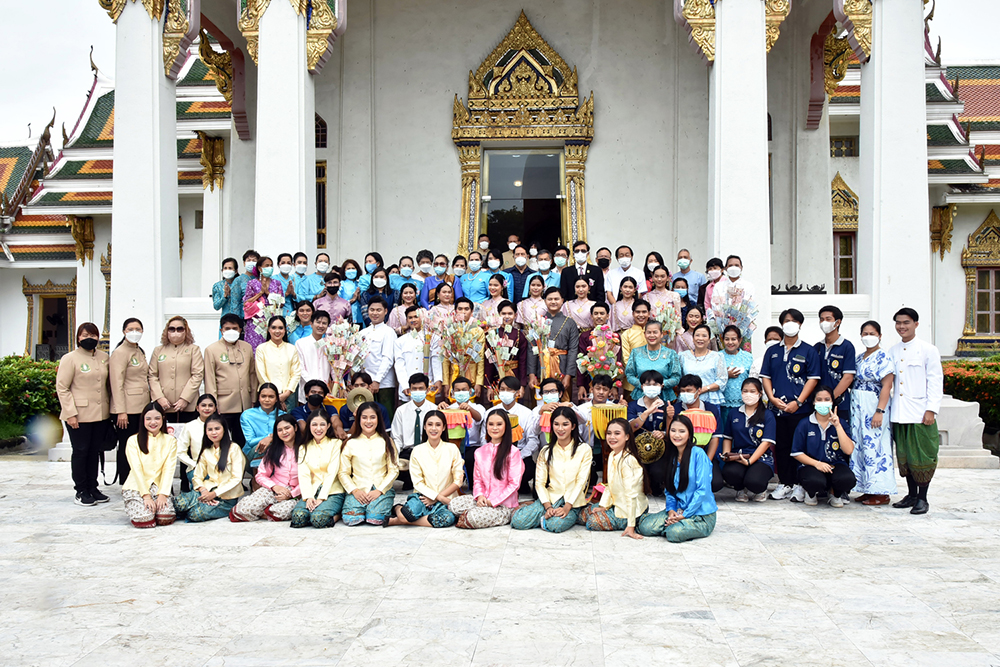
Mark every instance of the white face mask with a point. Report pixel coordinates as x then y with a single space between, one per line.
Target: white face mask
652 266
520 261
651 390
544 265
624 262
506 397
687 397
285 268
734 271
301 269
560 261
550 398
870 341
771 342
683 263
533 252
249 266
714 274
494 264
230 335
133 336
511 246
827 326
426 268
228 274
750 399
475 265
459 271
823 408
323 267
484 245
580 257
379 282
790 328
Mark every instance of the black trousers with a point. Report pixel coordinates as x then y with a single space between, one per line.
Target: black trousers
657 471
181 417
235 429
123 468
88 442
528 479
753 478
841 480
784 432
404 475
470 464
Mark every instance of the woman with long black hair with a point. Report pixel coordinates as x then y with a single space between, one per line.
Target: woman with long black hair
152 457
623 501
278 477
369 465
127 375
746 445
218 475
495 479
319 462
436 468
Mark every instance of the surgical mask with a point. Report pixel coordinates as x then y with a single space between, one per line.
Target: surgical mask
770 343
790 328
133 336
681 292
580 257
484 245
323 267
301 269
870 341
228 274
550 397
652 266
475 265
89 344
462 396
506 397
511 246
267 271
406 271
560 261
439 270
687 397
604 262
379 282
520 261
230 335
458 271
331 290
624 262
750 399
494 264
425 268
683 263
370 267
314 400
533 252
651 390
544 265
249 266
351 274
826 326
823 408
714 274
418 395
734 271
285 268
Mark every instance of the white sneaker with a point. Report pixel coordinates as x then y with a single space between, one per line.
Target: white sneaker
798 494
846 498
781 492
742 496
836 501
760 497
811 501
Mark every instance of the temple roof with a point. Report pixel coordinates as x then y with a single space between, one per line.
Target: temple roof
979 89
14 161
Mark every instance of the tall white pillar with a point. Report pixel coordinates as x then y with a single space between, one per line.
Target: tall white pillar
894 257
284 196
144 211
211 240
739 206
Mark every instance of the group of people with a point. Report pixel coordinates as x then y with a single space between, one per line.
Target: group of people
693 413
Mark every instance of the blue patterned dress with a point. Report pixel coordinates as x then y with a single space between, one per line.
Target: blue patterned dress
871 461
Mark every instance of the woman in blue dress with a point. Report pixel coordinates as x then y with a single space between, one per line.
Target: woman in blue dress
349 272
738 364
710 366
871 428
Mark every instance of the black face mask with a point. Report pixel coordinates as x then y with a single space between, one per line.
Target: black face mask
89 344
314 400
604 262
332 291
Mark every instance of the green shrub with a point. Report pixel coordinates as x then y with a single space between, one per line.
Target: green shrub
975 381
27 388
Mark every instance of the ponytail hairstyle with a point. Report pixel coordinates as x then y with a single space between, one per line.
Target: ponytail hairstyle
276 449
506 444
304 438
143 435
125 324
224 444
757 418
570 414
670 454
390 450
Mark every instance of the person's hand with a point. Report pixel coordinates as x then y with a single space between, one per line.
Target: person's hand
149 503
834 419
165 404
123 420
581 394
548 407
73 422
264 442
373 388
550 512
211 503
659 434
290 290
312 503
428 502
489 393
823 467
483 501
281 492
791 407
673 517
162 501
561 512
438 389
226 291
630 532
180 405
443 405
929 418
360 495
670 411
567 380
532 380
778 404
478 389
462 406
744 460
204 495
877 420
735 372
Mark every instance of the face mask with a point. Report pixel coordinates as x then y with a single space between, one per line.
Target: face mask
332 291
379 282
249 266
560 261
462 396
520 261
370 267
458 271
475 265
544 265
870 341
624 262
651 390
506 397
418 395
406 271
228 274
580 257
687 397
714 274
133 336
681 292
511 246
314 400
89 344
770 343
533 252
267 271
285 268
826 326
823 408
604 262
683 263
750 399
652 266
230 335
439 270
790 328
484 245
351 274
323 267
425 268
734 271
550 398
494 264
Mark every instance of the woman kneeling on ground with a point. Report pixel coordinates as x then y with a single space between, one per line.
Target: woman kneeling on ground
623 501
278 477
436 468
217 477
318 456
152 457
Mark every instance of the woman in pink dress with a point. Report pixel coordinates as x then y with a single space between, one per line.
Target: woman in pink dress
488 309
621 311
444 303
579 308
256 296
532 308
407 298
659 297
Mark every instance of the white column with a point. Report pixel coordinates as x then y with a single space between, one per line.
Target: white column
85 292
211 240
739 207
894 257
286 146
146 263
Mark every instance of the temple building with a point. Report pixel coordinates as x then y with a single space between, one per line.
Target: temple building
821 140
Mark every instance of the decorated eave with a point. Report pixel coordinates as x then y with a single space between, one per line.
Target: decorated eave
22 165
978 89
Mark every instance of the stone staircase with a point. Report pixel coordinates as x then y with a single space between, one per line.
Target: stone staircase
961 432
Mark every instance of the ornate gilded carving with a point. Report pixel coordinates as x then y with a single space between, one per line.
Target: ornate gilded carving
219 64
180 237
856 17
844 203
105 342
700 16
775 11
322 23
942 225
249 23
836 55
470 157
982 251
50 288
82 230
576 161
213 161
177 36
114 8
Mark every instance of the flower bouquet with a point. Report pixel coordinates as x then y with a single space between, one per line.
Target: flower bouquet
736 311
461 343
601 357
500 350
346 348
537 333
668 318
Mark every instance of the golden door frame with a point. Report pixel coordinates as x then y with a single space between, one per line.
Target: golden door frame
50 289
522 95
982 251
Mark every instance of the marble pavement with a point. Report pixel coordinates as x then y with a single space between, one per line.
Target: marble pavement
776 584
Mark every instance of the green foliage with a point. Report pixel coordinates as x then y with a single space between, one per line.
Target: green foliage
978 381
10 430
27 388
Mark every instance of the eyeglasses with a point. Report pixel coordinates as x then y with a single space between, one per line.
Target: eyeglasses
176 330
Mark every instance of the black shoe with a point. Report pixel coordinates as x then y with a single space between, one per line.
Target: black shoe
407 513
98 496
907 501
84 498
920 507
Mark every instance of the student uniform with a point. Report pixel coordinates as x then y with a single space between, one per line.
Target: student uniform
836 361
564 482
822 444
713 431
365 465
150 474
433 469
227 485
746 438
319 472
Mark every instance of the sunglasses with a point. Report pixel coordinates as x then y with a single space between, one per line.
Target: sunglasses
176 330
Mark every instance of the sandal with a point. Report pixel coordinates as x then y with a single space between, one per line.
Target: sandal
875 500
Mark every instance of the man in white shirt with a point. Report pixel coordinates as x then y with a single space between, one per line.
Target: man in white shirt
731 282
408 422
312 354
461 391
917 391
381 355
411 357
615 275
527 445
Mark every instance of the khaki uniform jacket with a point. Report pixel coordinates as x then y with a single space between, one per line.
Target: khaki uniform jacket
231 375
82 386
129 381
175 372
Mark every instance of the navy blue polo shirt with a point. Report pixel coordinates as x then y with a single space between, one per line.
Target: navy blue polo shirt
789 370
835 362
300 413
654 422
810 439
748 437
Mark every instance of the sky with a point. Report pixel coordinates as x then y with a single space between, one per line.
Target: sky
46 63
